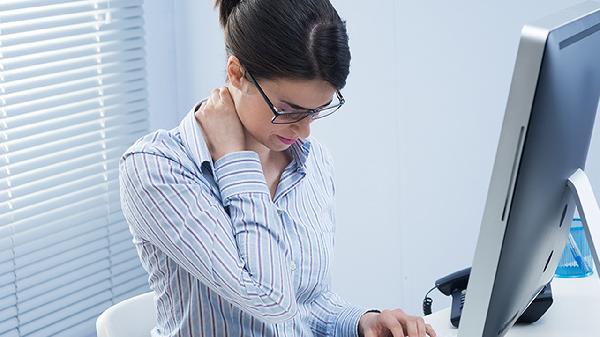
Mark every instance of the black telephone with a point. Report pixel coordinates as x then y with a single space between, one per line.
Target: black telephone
455 285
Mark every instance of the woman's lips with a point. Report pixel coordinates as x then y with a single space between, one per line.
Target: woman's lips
287 141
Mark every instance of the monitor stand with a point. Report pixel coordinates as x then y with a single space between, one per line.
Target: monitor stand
588 209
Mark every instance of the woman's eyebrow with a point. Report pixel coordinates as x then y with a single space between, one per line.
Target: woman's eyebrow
295 106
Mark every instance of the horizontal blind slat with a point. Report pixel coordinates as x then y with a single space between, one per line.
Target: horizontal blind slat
53 208
28 270
134 276
128 293
38 259
122 235
105 72
8 327
97 18
35 6
66 316
124 243
37 18
63 90
115 104
85 328
29 280
136 87
48 310
63 328
32 240
40 186
8 298
59 130
64 290
113 42
32 183
125 265
83 214
127 289
7 275
88 144
32 71
72 276
72 46
113 95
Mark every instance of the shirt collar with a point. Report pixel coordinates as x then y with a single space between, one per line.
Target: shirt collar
195 145
300 151
193 139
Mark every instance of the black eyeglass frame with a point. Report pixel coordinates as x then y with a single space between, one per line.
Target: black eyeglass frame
313 113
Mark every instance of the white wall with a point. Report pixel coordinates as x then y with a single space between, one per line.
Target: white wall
414 146
160 64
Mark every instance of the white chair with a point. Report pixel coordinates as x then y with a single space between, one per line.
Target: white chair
133 317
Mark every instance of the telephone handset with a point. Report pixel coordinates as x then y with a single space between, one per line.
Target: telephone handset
455 285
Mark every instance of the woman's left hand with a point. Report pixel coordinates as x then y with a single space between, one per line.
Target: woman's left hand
393 323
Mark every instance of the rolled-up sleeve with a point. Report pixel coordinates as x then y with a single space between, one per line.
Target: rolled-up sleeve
237 250
330 315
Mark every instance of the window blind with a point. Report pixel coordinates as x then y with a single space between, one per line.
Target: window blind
72 99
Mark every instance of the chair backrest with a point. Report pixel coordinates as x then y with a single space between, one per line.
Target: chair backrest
133 317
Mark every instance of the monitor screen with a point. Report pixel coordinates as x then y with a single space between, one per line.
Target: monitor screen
545 138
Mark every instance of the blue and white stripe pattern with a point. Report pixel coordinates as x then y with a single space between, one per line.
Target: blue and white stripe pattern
223 258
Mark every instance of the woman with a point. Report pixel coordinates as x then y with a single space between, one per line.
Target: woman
232 211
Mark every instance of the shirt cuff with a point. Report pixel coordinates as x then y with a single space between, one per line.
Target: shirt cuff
240 172
347 322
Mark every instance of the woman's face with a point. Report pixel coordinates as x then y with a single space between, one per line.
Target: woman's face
256 115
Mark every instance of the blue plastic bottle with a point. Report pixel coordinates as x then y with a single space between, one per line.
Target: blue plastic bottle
576 260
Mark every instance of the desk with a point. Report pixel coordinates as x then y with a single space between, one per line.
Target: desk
574 312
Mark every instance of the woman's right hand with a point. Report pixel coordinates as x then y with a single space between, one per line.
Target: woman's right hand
223 130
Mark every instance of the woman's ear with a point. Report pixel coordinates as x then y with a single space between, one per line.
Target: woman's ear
235 74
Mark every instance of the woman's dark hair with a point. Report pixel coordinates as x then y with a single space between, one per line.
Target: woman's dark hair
303 39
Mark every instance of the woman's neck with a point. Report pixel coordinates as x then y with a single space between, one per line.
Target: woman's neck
266 155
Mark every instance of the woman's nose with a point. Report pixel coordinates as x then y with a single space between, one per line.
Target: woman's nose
302 127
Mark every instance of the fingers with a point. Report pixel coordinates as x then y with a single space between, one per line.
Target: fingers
214 96
420 323
396 323
224 91
391 322
430 330
411 328
414 326
221 97
225 95
220 123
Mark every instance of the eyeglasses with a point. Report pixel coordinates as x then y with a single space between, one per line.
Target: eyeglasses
282 116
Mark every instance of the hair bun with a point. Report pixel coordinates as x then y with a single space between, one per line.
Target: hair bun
287 39
225 8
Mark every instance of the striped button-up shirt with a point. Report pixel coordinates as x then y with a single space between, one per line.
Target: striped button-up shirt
223 258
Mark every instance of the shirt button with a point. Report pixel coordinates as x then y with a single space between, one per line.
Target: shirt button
279 211
293 266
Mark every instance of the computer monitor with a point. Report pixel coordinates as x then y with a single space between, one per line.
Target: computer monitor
538 169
